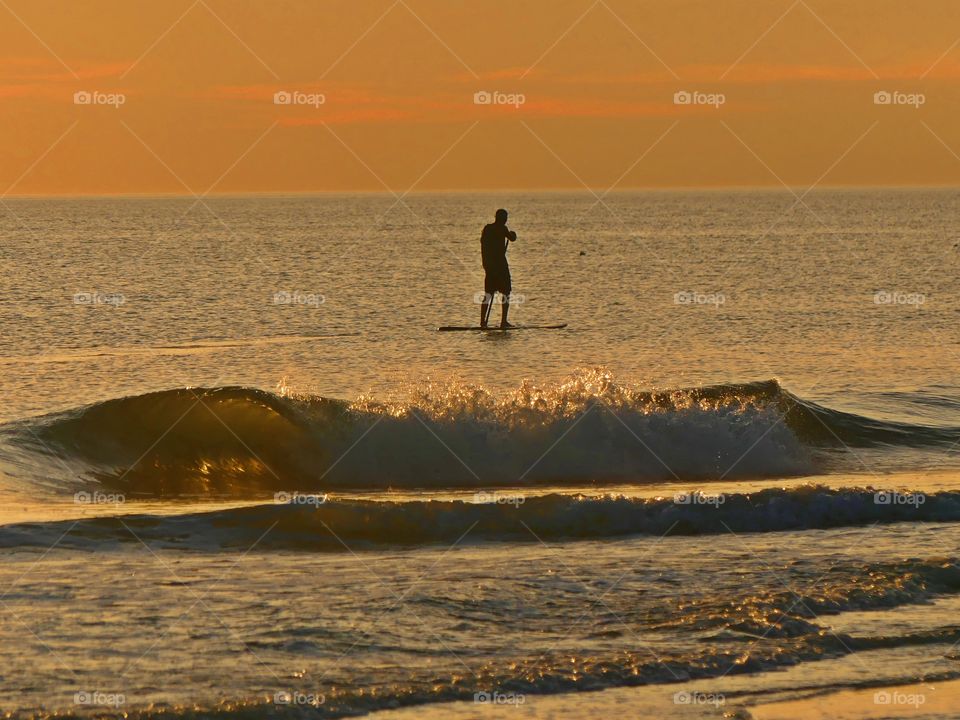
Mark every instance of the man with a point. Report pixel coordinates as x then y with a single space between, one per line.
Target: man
493 250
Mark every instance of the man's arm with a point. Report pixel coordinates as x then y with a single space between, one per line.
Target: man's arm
510 237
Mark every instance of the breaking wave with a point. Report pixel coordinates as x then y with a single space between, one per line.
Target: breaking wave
318 523
237 441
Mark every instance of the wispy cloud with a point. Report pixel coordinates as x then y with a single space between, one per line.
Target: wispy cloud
29 77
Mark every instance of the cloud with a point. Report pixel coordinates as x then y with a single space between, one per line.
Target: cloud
28 77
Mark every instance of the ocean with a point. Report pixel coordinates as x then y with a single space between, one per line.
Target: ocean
243 475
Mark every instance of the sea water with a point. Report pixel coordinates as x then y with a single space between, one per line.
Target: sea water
243 474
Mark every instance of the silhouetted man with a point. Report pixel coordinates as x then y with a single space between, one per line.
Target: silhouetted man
493 249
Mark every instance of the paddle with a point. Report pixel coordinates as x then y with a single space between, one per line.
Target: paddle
486 319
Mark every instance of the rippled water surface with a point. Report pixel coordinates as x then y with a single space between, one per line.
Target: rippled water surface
242 472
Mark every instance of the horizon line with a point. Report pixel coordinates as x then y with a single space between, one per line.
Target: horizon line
482 191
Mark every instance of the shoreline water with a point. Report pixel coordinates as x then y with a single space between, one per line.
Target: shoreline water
937 698
890 620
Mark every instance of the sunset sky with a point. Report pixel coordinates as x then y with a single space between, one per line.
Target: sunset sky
398 77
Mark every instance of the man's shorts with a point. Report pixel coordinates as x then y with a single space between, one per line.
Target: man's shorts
497 281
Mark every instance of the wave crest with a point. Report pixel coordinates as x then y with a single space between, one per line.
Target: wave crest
242 441
334 525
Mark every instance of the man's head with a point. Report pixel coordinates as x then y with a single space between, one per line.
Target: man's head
501 216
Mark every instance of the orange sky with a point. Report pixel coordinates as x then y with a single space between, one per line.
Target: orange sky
598 78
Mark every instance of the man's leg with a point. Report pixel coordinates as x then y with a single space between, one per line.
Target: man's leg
485 308
505 310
